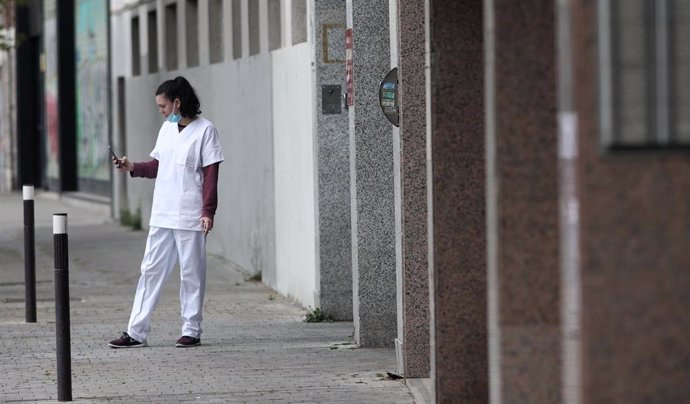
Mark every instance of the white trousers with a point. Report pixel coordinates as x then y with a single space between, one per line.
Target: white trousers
163 249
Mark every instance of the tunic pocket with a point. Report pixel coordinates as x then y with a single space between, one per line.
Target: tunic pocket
187 159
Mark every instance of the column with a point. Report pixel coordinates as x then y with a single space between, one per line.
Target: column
371 176
413 168
458 199
334 265
522 186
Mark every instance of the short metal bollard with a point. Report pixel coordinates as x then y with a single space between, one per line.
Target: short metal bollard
29 254
62 323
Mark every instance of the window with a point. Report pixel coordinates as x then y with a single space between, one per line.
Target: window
254 28
236 29
215 30
192 20
299 21
274 25
136 51
679 56
153 41
645 80
171 36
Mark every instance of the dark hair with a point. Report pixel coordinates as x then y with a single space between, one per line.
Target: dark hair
180 88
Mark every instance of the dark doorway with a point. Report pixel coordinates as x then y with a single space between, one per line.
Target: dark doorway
29 96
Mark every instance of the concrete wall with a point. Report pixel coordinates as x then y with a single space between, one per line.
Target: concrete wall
8 136
294 173
239 97
264 110
141 127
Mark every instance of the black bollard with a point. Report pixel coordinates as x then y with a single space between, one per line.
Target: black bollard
62 324
29 254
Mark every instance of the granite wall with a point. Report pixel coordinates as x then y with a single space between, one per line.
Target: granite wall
372 181
524 230
413 170
458 200
332 150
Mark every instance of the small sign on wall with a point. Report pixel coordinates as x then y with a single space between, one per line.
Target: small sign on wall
349 82
388 97
332 36
331 98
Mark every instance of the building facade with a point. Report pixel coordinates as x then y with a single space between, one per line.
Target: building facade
518 235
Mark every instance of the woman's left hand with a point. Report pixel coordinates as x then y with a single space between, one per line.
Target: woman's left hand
206 225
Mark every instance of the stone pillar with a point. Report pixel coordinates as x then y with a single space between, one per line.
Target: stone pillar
334 283
413 168
372 180
522 187
458 200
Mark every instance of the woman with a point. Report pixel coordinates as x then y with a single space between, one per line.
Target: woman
185 165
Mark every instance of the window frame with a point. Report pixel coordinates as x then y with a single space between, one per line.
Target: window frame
660 99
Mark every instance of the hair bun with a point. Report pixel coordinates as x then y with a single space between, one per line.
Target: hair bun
180 88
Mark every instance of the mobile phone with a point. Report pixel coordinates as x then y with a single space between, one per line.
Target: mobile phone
119 163
113 153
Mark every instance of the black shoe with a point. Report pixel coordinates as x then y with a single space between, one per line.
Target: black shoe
125 341
187 342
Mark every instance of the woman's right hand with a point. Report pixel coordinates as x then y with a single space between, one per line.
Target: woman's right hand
123 165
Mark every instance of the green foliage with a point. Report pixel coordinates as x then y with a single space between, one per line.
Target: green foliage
136 220
131 220
125 217
317 316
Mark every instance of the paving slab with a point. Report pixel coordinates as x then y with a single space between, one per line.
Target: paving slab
256 348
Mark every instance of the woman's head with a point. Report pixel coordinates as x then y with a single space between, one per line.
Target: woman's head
177 95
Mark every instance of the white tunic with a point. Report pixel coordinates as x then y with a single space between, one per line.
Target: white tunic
177 197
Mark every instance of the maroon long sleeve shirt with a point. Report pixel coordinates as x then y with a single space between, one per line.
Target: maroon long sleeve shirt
209 188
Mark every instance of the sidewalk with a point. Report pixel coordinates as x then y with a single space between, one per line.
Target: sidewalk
255 347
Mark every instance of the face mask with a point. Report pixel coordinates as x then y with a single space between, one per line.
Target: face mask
173 117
